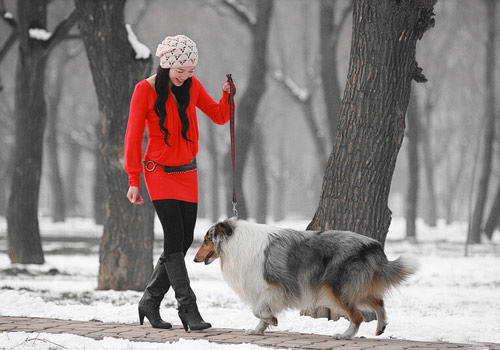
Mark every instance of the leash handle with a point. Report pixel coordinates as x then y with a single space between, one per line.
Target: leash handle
233 146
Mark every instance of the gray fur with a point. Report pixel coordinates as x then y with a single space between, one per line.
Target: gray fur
343 260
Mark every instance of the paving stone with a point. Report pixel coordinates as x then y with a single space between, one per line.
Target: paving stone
290 345
7 327
149 340
268 341
129 335
326 345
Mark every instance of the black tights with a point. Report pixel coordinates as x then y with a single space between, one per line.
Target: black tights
177 219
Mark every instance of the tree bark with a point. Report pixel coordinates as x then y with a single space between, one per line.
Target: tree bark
125 254
250 98
474 234
412 118
371 128
23 233
100 190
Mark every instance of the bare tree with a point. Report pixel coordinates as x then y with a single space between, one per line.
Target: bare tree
258 24
358 177
475 227
431 208
413 120
58 203
125 254
35 45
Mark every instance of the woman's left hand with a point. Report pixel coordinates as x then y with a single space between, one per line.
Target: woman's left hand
227 88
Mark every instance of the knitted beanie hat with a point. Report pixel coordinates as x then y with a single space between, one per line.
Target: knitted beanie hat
177 51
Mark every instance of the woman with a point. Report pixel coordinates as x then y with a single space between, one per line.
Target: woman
166 102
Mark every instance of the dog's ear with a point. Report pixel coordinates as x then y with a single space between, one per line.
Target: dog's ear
224 228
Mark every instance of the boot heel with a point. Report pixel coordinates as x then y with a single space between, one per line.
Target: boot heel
141 317
185 325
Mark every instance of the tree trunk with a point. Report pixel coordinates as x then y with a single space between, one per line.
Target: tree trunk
279 175
100 191
412 118
474 234
329 34
372 120
56 184
494 217
4 187
261 170
74 156
23 233
125 254
430 214
250 99
453 183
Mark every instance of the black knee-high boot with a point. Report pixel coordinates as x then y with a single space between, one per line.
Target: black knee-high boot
188 310
149 305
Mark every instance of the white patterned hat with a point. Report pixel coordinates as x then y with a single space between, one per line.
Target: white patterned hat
177 51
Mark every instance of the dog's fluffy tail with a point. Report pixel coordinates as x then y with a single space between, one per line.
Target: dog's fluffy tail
395 272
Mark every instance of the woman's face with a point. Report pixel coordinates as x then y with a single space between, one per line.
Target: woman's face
180 74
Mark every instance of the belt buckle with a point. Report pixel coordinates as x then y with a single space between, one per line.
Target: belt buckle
147 164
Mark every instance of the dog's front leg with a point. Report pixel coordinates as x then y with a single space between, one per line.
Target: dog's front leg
259 330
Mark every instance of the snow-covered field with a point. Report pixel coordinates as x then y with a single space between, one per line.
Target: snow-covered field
451 298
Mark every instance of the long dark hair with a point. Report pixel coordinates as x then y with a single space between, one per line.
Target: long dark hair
181 94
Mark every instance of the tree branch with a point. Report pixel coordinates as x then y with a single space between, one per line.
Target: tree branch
297 93
72 37
62 30
8 44
5 15
141 14
337 28
241 12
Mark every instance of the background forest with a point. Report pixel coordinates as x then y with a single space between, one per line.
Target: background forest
286 164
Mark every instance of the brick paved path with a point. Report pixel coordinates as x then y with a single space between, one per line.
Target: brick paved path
136 332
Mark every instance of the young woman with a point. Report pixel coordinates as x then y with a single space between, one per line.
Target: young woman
166 103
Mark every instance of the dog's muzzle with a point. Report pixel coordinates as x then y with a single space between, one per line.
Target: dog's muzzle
207 259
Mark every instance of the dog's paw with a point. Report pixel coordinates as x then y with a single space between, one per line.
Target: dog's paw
272 321
380 331
254 332
342 336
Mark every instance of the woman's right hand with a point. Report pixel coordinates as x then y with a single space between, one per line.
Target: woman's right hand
133 195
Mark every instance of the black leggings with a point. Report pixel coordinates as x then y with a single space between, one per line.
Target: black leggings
177 219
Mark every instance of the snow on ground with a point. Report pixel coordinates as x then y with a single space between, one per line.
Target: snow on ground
47 341
451 298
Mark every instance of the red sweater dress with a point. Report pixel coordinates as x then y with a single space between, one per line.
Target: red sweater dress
160 184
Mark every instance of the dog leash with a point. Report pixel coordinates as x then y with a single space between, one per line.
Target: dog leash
232 91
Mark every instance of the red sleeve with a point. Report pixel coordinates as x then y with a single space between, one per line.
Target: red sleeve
218 112
134 135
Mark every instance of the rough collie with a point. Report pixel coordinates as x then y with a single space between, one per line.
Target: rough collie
273 269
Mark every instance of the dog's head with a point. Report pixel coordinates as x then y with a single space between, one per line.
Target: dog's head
215 236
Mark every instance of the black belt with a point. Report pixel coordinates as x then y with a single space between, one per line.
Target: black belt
149 165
